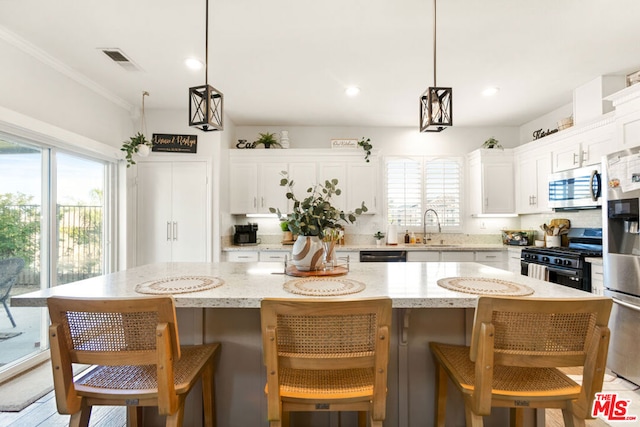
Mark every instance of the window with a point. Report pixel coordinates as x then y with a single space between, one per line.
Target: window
54 215
417 184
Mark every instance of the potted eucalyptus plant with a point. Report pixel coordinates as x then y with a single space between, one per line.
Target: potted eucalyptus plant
314 219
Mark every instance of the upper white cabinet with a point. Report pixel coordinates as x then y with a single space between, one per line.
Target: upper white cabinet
173 215
255 187
491 182
532 176
583 146
255 178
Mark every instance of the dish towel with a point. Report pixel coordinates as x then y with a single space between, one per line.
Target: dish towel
538 271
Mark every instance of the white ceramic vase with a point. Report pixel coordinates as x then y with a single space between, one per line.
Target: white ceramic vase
307 253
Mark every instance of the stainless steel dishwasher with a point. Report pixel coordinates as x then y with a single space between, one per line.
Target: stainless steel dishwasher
383 256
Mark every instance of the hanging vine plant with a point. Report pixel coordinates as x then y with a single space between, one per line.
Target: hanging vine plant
366 146
137 144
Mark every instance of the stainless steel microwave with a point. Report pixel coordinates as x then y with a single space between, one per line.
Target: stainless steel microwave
576 189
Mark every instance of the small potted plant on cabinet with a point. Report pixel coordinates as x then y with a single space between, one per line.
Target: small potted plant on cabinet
492 143
267 139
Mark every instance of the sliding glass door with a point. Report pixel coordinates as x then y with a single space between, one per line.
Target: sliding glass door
52 224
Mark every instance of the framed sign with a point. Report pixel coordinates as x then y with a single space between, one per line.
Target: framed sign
167 143
344 143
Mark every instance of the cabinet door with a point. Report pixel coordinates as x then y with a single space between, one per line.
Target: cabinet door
361 186
600 143
270 193
457 256
498 188
153 219
189 212
527 184
335 170
566 156
243 182
304 177
423 256
543 169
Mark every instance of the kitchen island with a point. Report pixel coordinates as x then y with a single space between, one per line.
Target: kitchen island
229 313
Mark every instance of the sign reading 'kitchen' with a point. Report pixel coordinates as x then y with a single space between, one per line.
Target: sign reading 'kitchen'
167 143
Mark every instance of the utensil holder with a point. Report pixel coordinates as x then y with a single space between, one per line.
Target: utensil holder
553 241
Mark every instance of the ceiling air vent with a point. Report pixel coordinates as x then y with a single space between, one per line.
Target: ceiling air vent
117 56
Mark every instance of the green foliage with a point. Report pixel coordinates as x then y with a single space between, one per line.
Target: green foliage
366 146
133 145
19 227
314 215
379 235
284 225
267 139
491 143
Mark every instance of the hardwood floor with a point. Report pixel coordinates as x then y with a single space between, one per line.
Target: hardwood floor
43 413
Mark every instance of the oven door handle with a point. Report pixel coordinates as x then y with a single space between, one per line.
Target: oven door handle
626 305
563 271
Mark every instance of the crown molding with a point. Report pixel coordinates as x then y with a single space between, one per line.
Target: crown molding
37 53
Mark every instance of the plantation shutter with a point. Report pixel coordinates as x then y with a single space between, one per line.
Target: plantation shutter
404 192
442 192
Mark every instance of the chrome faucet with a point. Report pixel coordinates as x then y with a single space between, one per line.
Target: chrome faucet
424 224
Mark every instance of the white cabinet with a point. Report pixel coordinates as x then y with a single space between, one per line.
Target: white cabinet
254 178
513 263
362 186
532 175
242 256
423 256
597 278
172 220
457 256
491 182
274 256
255 187
584 147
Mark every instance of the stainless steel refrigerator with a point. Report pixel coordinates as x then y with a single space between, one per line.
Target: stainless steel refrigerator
621 256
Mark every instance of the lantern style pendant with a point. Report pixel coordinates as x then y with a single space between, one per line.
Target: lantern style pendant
436 103
436 109
206 103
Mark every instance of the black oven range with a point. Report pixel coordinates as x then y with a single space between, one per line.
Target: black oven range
567 265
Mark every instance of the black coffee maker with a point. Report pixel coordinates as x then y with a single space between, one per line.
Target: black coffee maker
246 234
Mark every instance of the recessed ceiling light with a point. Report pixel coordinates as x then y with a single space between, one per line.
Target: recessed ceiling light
352 91
193 64
490 91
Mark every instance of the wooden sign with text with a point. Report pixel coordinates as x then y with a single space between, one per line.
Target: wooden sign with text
167 143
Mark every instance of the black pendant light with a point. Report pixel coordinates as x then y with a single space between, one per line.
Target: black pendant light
436 103
206 102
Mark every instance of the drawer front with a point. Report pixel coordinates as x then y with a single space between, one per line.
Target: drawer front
457 256
423 256
489 256
246 256
274 256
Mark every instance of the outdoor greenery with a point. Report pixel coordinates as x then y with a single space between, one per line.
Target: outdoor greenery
314 215
19 226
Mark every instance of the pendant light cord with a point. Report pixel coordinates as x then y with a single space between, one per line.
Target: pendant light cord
206 44
434 44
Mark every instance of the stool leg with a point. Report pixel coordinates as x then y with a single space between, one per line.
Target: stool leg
6 308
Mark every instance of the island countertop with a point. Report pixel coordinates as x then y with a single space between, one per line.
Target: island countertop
409 285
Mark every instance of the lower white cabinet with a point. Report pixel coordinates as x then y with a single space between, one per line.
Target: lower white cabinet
597 279
242 256
457 256
275 256
423 256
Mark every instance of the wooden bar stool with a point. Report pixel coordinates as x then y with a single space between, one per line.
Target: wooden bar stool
326 355
138 361
517 345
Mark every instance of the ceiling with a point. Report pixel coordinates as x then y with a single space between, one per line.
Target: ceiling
287 62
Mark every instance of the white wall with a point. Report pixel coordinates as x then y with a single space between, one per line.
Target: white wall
34 89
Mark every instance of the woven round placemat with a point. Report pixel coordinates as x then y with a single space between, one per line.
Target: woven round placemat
484 286
179 285
323 286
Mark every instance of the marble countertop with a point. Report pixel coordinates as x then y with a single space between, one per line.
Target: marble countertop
372 247
410 285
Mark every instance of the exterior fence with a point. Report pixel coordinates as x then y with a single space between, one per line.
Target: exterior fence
79 236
